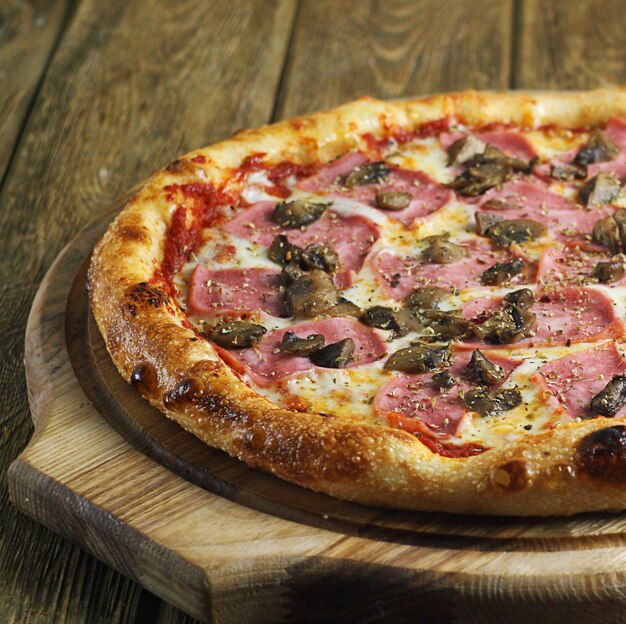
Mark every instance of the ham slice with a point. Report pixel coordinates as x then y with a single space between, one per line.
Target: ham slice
411 401
235 291
508 142
566 220
350 236
266 365
569 314
427 195
399 275
571 382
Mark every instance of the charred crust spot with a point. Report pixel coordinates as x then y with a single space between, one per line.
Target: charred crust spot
132 309
144 378
184 393
176 166
601 455
512 476
129 233
146 294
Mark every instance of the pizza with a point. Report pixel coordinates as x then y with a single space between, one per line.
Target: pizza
414 304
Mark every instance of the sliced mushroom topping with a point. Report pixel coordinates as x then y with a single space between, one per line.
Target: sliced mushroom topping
297 213
392 200
610 231
369 173
281 251
425 298
610 400
291 272
505 232
237 334
496 204
465 149
609 271
420 358
441 251
502 272
293 345
335 355
446 325
522 298
381 317
602 189
445 380
483 371
507 325
488 403
311 295
492 155
319 256
599 148
344 308
567 173
478 179
484 220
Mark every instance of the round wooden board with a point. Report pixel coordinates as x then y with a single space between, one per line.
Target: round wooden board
243 546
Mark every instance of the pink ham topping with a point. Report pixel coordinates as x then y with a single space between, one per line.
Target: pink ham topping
418 397
508 142
235 291
572 381
571 265
569 314
351 237
266 364
427 196
399 275
565 219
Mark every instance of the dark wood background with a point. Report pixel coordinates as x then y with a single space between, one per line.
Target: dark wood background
95 95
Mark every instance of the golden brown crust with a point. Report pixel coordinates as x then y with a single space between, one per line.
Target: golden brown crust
557 472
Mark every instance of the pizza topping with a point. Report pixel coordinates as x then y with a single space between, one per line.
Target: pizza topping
319 256
509 324
601 455
425 298
297 213
344 308
572 382
483 371
505 232
367 173
503 272
281 251
392 200
465 149
291 272
488 403
602 189
610 231
234 290
311 295
441 251
610 400
381 317
609 271
444 379
420 358
484 220
445 325
522 298
598 148
294 345
567 173
237 334
336 355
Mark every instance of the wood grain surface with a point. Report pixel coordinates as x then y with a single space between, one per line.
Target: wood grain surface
97 94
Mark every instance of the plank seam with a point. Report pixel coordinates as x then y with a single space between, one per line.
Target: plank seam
516 26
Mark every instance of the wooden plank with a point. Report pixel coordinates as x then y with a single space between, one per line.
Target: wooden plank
342 50
571 45
29 32
133 84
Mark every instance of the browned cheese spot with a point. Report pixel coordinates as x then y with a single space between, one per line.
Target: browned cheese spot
131 233
601 455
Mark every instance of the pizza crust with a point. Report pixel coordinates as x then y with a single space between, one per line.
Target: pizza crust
557 472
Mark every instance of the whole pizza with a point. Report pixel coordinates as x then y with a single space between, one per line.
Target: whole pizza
416 304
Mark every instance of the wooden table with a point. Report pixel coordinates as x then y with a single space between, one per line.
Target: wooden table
95 95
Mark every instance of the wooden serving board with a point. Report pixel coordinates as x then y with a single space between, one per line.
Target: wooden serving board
229 544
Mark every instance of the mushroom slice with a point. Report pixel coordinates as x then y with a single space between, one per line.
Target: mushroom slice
483 371
602 189
502 272
441 251
488 403
445 380
319 256
311 295
567 173
599 148
484 220
380 317
291 272
446 325
505 232
507 325
368 173
608 271
297 213
293 345
335 355
392 200
479 178
420 358
425 298
281 251
344 308
610 400
465 149
237 334
522 298
610 231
